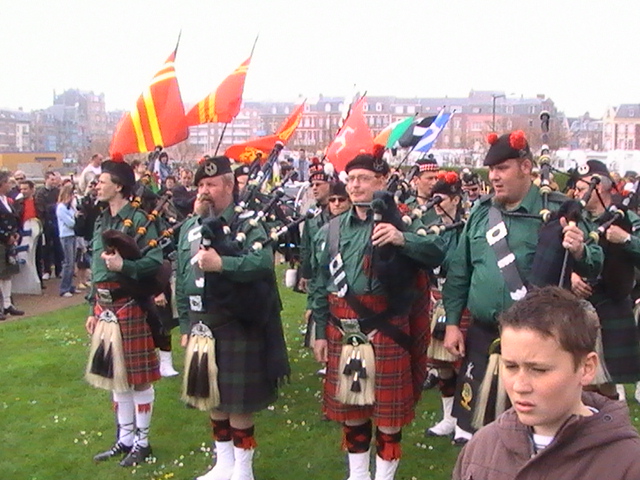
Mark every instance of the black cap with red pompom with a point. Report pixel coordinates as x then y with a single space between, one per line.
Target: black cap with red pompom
508 146
448 184
121 170
370 161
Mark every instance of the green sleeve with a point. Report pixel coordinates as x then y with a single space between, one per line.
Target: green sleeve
182 303
456 289
305 251
253 264
318 294
429 250
633 247
590 265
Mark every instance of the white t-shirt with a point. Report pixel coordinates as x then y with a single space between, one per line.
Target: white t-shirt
88 174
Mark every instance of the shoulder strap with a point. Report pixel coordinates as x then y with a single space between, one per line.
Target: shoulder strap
497 238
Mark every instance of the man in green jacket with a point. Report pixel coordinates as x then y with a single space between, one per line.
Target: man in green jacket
114 307
348 264
250 353
488 277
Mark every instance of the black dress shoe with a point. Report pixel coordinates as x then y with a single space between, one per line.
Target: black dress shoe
117 449
13 311
431 381
459 442
136 456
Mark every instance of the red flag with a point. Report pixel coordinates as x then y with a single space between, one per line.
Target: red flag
354 138
246 152
223 105
157 118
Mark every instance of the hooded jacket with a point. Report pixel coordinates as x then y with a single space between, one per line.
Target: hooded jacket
602 446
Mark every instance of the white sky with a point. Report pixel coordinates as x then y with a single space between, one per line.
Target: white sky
585 54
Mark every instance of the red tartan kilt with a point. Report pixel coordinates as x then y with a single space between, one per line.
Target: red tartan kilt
395 389
140 358
465 321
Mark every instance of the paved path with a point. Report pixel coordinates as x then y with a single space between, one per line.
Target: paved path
49 301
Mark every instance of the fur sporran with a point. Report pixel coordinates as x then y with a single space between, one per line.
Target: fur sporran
200 381
357 369
106 368
492 396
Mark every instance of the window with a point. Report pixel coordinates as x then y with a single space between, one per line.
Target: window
456 141
365 107
378 107
327 107
509 124
399 109
532 109
509 109
476 110
456 124
307 107
476 126
411 109
287 110
632 112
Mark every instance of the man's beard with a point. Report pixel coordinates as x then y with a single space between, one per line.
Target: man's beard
204 206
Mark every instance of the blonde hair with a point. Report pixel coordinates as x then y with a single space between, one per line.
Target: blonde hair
66 194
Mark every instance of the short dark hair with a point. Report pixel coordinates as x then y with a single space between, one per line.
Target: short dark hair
555 312
4 176
49 173
135 163
126 190
29 183
170 177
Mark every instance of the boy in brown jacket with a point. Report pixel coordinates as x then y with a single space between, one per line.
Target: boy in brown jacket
554 429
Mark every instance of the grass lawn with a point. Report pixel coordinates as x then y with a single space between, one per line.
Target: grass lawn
52 422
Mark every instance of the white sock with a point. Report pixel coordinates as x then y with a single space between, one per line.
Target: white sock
144 408
125 413
5 288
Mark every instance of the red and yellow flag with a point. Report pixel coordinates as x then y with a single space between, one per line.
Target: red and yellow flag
246 152
224 104
157 118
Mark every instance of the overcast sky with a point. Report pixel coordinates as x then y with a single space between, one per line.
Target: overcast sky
585 54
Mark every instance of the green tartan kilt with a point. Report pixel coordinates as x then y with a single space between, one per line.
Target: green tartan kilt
242 369
620 339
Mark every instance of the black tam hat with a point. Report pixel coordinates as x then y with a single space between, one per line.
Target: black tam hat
469 178
448 184
593 167
212 167
367 161
117 167
240 171
338 189
508 146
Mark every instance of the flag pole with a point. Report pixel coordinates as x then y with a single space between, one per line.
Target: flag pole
224 129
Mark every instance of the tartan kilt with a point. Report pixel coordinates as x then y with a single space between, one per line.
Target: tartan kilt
620 338
398 381
465 321
243 380
140 358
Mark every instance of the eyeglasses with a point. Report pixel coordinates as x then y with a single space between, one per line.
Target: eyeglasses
361 178
337 199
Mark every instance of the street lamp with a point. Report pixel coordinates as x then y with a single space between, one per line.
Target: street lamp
493 109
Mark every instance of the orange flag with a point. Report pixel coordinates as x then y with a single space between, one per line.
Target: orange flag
246 152
353 138
223 105
157 118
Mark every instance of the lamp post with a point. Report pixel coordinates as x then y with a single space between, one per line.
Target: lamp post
493 109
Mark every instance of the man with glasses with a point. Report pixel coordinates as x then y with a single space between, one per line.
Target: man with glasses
351 294
338 199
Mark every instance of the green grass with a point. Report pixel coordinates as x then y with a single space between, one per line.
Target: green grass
52 422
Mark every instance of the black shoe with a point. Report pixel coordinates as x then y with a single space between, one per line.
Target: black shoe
136 456
431 381
117 449
459 442
13 311
2 316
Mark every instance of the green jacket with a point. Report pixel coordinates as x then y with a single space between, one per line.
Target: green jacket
311 228
250 266
355 242
144 267
474 279
427 218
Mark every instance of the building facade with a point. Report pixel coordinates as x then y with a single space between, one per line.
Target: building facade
621 127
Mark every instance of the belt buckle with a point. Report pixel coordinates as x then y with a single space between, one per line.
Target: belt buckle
350 325
108 316
104 295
